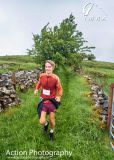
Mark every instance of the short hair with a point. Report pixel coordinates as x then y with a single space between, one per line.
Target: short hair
51 62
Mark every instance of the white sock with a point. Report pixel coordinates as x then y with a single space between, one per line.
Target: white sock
51 130
46 123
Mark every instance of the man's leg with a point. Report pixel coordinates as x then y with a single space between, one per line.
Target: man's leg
43 118
52 119
52 124
44 122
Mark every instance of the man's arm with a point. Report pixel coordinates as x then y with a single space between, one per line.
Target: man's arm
37 86
59 89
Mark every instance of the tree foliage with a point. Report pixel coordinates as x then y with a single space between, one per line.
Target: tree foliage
91 57
62 43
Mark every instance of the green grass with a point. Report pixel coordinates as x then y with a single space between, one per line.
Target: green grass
17 58
76 129
106 69
14 63
98 64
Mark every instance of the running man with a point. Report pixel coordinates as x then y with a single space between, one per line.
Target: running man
51 89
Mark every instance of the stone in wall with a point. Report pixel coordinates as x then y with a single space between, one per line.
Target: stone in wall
8 95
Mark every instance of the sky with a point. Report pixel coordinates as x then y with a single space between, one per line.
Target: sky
19 19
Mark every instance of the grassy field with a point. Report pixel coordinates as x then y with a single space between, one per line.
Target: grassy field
76 130
12 63
102 73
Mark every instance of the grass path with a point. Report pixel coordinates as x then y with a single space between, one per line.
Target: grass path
76 131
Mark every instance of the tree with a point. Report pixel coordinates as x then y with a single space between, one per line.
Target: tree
91 57
75 60
59 42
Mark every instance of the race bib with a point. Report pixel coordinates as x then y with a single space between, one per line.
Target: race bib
46 92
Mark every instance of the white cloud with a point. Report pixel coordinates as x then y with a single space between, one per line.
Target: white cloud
3 16
19 19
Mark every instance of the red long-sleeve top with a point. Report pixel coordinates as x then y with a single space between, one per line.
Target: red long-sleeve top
50 86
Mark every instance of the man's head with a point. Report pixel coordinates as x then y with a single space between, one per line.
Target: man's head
49 66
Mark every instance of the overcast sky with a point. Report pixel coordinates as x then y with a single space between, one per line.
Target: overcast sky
20 18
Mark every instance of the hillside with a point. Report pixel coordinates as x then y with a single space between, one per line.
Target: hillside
102 73
77 129
12 63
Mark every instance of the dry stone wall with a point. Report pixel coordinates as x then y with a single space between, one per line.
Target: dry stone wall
10 81
101 101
